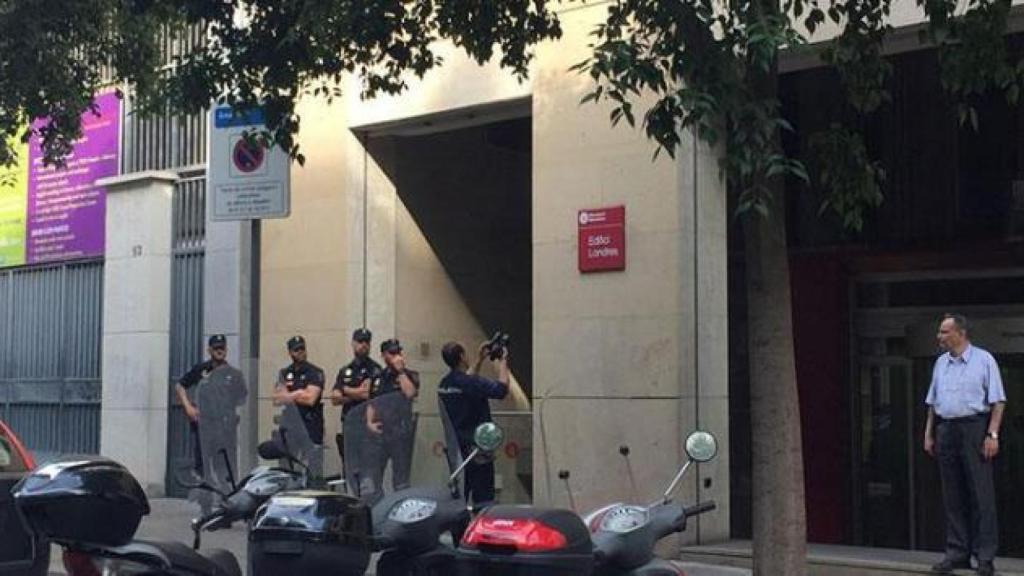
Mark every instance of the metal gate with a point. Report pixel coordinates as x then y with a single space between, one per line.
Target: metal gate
189 229
50 356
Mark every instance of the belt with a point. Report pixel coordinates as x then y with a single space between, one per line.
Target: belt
979 417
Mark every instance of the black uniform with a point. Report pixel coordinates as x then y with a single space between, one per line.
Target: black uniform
352 375
297 376
465 400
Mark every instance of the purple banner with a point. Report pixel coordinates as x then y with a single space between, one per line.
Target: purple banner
66 210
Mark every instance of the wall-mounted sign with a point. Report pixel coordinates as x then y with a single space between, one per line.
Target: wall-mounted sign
602 239
246 181
50 214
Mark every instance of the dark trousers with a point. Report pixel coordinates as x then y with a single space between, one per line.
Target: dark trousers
479 483
968 491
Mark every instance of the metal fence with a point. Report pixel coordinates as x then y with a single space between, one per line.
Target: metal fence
50 355
189 241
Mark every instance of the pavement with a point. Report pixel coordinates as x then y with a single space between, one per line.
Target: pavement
170 519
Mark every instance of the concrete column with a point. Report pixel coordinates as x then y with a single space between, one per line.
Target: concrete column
229 300
136 324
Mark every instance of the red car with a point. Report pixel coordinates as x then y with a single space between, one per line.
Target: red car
20 553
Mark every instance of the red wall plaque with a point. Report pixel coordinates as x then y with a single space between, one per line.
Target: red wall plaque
602 239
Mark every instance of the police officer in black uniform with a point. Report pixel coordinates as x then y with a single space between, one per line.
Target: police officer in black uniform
465 396
391 417
352 385
301 383
218 353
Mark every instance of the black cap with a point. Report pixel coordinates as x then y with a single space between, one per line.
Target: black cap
362 335
390 345
296 342
218 341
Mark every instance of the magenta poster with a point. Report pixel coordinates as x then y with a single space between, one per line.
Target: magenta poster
66 211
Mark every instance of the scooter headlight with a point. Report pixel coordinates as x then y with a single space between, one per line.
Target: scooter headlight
412 510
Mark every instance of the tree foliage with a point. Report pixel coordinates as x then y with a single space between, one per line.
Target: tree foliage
700 58
55 54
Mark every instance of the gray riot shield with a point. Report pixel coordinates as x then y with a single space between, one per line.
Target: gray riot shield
217 398
292 431
452 449
376 432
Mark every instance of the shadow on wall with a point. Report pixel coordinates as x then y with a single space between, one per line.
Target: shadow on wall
469 191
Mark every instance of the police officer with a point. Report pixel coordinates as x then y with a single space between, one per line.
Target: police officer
465 395
220 389
352 385
301 384
965 411
389 414
217 349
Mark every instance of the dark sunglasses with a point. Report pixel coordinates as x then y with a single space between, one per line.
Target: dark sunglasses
218 348
299 349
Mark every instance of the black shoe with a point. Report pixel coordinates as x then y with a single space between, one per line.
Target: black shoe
947 566
986 569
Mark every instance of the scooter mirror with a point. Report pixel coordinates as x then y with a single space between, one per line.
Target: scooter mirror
701 446
488 437
272 450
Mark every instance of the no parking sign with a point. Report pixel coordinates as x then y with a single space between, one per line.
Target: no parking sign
246 180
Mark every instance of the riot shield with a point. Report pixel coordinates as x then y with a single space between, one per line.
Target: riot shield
293 434
452 449
376 432
217 398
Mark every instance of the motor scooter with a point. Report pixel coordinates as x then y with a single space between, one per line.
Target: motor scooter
614 540
92 508
246 496
408 524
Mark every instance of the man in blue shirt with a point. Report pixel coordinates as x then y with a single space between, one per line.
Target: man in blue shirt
465 397
965 410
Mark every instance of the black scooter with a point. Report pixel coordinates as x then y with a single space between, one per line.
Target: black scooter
615 540
253 491
92 508
408 524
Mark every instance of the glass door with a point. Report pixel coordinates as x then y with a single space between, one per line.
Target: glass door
884 440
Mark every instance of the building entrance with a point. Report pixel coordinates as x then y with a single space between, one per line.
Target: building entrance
462 258
896 490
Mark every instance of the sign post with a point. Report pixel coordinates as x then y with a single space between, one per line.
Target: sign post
602 239
246 180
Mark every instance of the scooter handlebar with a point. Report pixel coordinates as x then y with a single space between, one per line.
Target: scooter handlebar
700 508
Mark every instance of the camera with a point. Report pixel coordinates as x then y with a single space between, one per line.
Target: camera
497 345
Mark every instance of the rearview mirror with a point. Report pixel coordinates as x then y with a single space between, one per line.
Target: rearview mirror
701 446
271 450
488 437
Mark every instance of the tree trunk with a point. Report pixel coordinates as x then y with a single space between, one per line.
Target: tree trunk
779 515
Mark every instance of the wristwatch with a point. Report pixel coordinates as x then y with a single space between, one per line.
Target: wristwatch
993 435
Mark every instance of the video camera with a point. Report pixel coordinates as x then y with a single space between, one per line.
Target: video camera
497 346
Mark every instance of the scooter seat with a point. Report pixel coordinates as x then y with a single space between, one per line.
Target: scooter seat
224 560
175 555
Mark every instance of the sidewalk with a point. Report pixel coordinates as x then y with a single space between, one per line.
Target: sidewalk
834 560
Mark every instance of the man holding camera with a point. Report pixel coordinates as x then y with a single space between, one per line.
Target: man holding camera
464 395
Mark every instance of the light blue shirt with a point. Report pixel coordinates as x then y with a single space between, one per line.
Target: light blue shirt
965 385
